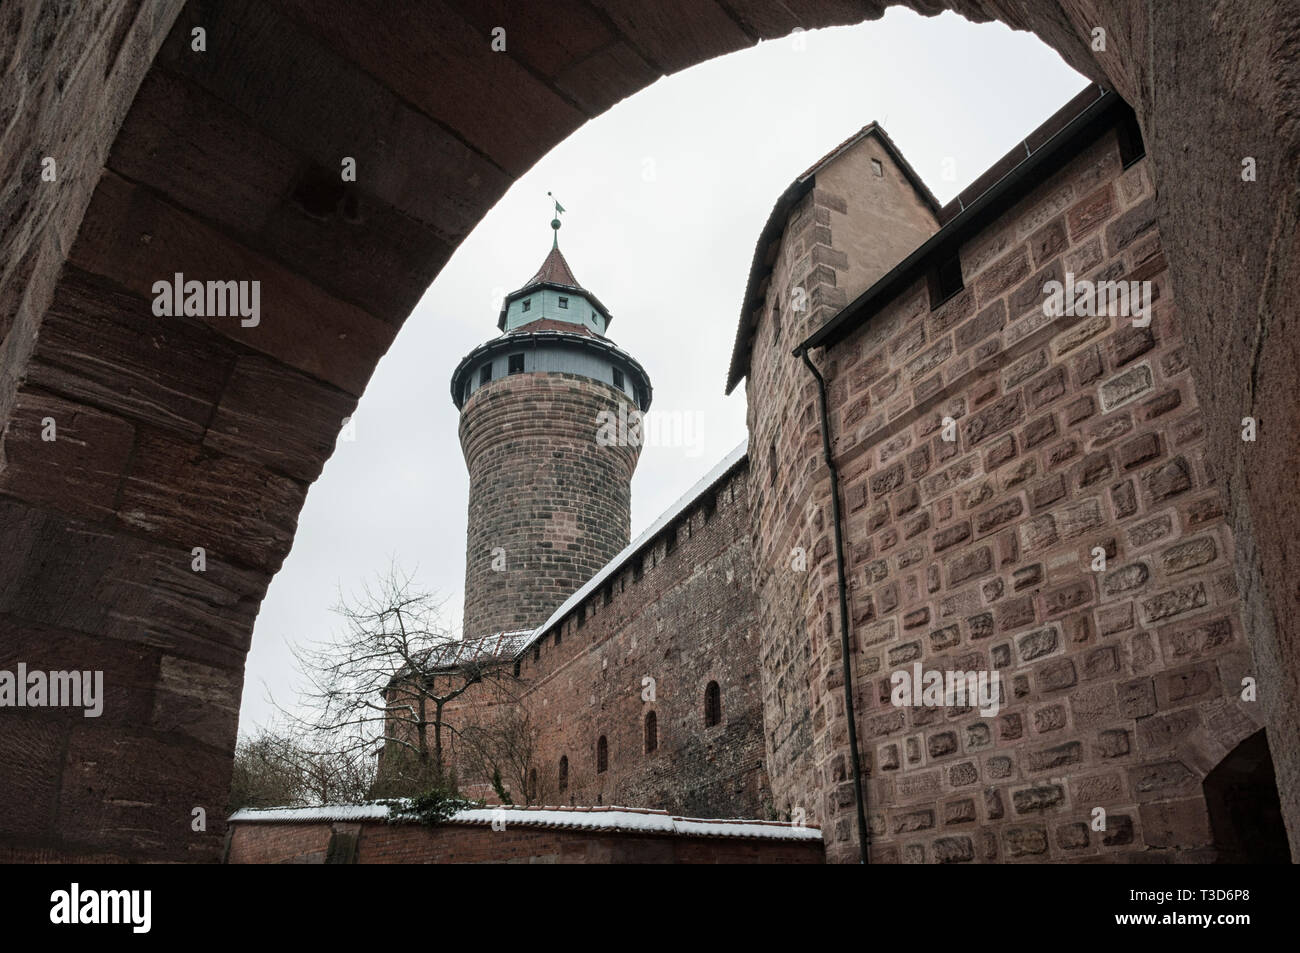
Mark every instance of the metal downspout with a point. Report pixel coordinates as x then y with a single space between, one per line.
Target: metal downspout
858 795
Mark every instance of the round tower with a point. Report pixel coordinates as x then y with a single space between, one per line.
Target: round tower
548 426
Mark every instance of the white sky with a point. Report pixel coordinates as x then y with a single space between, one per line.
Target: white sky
665 196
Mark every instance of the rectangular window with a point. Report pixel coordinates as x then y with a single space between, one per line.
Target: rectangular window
945 280
618 378
637 567
671 543
485 374
1131 147
528 303
877 168
516 363
564 303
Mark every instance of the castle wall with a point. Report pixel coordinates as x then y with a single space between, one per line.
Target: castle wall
651 640
687 620
548 506
379 842
1121 688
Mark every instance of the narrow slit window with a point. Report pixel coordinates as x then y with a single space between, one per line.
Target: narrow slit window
602 755
712 705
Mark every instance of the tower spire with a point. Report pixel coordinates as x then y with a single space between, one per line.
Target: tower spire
555 222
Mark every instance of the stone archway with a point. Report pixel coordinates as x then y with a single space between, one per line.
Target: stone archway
1245 813
220 163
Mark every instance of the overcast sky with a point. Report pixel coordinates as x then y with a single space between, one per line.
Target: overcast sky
665 196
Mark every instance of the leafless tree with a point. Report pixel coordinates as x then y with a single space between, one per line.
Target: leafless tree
275 768
383 687
502 745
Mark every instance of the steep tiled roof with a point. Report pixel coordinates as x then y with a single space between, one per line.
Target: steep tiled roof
499 645
555 270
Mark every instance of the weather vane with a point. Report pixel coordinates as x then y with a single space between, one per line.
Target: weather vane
555 222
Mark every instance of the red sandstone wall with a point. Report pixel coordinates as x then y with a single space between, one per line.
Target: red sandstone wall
541 490
381 843
1080 432
687 620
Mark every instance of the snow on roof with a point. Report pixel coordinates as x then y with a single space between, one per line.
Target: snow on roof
329 812
623 819
665 518
494 646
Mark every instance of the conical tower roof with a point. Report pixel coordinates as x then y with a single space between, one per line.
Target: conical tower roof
555 270
555 273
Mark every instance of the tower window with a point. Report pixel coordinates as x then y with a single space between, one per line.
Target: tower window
618 378
712 705
528 304
877 168
945 280
516 363
485 374
564 303
602 755
651 733
564 772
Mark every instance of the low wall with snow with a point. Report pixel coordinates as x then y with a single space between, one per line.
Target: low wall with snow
364 834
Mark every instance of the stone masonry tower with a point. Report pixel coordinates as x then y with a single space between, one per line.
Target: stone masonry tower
549 491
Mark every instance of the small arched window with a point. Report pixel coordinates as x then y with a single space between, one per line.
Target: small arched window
564 772
602 755
712 705
651 733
